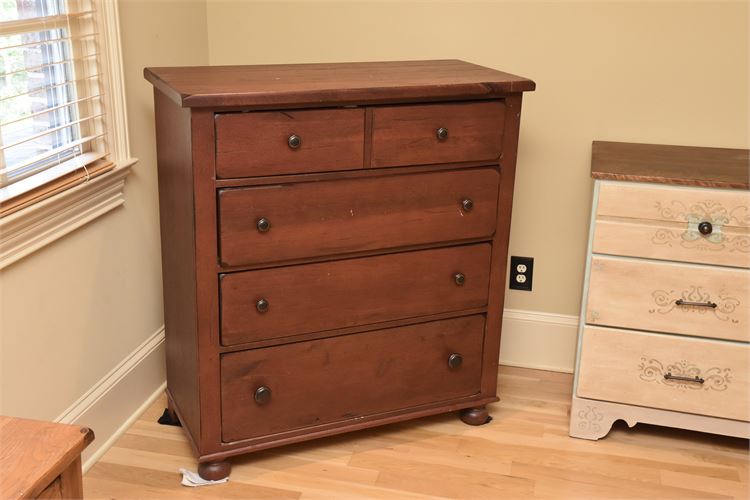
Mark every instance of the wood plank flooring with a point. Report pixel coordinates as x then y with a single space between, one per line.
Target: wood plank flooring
525 452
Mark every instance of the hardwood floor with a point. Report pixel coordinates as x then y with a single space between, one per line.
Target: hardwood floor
525 452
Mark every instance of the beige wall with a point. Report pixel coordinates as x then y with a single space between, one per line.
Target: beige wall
652 72
72 311
672 72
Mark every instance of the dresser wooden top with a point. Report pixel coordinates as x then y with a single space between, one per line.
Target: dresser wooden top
33 453
288 85
686 165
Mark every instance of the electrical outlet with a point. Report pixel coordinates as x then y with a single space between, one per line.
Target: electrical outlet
521 273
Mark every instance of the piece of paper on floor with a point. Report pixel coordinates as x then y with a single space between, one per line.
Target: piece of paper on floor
192 479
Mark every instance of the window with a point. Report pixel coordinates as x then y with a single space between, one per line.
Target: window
53 120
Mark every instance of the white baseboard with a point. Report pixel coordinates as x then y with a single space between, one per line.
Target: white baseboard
95 453
119 398
544 341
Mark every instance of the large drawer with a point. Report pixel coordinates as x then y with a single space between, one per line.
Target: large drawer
699 225
293 300
271 390
706 377
678 298
437 133
301 220
287 142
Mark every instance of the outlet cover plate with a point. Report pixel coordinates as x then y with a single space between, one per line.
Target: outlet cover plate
521 273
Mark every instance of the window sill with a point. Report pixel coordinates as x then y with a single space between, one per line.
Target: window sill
40 224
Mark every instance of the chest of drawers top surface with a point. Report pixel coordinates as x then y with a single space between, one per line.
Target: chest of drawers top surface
683 165
318 85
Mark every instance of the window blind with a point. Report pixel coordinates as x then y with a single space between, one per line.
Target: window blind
53 132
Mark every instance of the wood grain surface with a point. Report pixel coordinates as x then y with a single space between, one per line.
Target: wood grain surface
630 367
254 144
687 165
674 204
525 452
176 200
407 135
303 85
342 216
643 295
344 293
349 377
672 242
37 457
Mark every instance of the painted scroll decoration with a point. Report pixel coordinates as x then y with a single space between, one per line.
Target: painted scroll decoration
590 419
715 378
704 211
665 303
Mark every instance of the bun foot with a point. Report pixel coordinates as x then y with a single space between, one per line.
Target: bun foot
475 416
214 471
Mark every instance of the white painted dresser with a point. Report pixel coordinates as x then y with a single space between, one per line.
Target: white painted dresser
665 317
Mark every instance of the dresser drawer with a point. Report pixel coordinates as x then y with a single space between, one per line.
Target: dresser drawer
265 143
344 378
323 296
669 223
333 217
660 371
412 135
665 297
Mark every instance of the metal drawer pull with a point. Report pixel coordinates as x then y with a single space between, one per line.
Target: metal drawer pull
263 225
460 279
261 306
695 379
705 228
442 133
467 204
262 395
681 302
455 360
294 141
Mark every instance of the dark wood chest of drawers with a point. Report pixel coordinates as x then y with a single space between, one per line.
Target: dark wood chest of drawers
334 242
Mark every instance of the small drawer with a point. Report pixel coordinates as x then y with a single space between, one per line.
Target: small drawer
437 133
301 220
700 225
349 377
688 299
293 300
288 142
706 377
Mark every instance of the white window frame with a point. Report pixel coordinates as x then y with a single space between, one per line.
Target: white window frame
31 228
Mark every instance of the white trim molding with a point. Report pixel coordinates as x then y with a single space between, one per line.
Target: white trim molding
116 401
540 340
33 227
37 225
117 117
